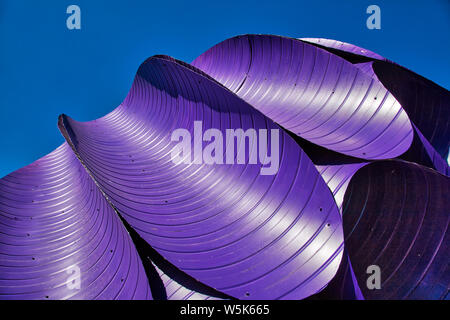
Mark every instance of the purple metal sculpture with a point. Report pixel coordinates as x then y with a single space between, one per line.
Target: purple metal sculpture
228 226
111 215
60 238
312 93
415 93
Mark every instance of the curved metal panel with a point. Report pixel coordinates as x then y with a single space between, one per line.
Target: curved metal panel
60 239
426 103
249 235
343 46
337 177
396 217
117 215
344 285
312 93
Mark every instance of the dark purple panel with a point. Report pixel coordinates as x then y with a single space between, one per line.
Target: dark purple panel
312 93
248 235
54 223
438 163
396 217
427 104
423 153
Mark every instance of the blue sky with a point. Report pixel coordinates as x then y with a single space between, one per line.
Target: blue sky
46 69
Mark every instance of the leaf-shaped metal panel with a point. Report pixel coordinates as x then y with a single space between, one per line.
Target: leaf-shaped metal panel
249 235
313 93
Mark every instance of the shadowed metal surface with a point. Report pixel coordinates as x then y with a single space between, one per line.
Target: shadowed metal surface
427 104
248 235
54 219
312 93
396 217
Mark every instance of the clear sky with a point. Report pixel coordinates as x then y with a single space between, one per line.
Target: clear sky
46 69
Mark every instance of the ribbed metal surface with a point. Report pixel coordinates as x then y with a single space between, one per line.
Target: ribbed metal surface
426 103
396 217
313 93
337 177
113 204
248 235
54 223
